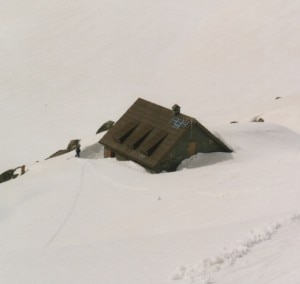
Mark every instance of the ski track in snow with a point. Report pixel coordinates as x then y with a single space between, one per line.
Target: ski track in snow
203 273
70 212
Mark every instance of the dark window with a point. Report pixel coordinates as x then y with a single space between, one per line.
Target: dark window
125 132
139 136
149 147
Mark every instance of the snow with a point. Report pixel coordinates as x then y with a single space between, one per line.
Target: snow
230 256
74 66
67 67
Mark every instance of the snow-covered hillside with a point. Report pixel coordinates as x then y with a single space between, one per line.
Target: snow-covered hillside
68 66
219 218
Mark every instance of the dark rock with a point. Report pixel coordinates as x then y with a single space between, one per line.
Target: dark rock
257 119
8 175
277 98
22 168
234 121
105 126
73 144
58 153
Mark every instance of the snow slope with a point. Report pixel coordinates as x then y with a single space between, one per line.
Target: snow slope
103 221
68 66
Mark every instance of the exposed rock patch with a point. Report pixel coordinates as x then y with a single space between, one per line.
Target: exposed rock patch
58 153
105 126
257 119
71 146
12 173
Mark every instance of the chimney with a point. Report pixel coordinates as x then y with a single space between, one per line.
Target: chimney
176 109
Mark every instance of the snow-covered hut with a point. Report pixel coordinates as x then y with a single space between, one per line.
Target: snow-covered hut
158 138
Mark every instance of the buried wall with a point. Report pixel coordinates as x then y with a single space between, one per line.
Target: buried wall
192 142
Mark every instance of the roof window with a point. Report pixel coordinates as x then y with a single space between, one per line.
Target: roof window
125 132
150 146
139 136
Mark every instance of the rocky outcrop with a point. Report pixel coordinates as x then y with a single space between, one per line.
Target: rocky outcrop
105 126
12 174
58 153
257 119
7 175
71 146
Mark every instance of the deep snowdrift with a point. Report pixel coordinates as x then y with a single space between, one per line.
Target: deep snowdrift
103 221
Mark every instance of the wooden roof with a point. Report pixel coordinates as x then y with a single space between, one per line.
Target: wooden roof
147 132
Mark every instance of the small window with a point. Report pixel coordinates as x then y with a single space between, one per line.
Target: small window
125 132
179 122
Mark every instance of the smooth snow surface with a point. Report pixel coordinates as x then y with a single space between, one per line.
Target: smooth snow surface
66 67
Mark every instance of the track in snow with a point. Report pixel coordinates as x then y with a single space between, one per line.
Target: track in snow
70 212
207 272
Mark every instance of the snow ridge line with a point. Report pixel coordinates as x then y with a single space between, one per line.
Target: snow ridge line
67 217
202 273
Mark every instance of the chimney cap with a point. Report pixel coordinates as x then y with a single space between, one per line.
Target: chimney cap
176 109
